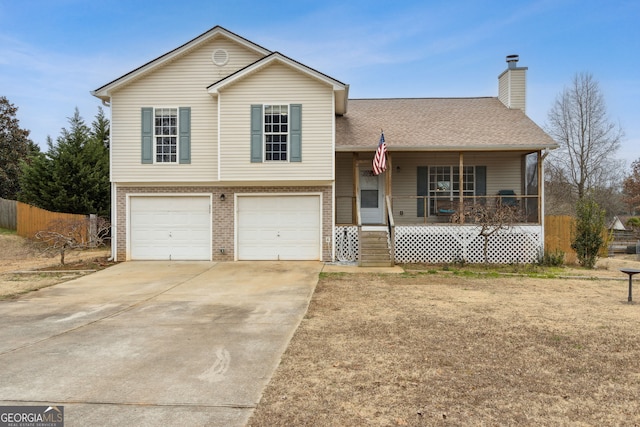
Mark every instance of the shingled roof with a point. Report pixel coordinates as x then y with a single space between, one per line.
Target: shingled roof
438 124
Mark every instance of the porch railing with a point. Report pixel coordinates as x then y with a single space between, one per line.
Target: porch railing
391 225
415 210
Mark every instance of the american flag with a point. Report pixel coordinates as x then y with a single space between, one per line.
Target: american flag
380 159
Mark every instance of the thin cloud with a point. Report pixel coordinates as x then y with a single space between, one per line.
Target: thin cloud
47 87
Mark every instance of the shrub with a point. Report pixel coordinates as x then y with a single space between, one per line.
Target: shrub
587 237
553 259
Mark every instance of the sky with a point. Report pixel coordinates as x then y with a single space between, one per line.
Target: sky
54 52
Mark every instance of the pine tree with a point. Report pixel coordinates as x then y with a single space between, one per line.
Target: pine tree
15 146
73 176
100 128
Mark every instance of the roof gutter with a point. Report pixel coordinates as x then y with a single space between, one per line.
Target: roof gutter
350 149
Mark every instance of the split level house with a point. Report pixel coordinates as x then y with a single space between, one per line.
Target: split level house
224 150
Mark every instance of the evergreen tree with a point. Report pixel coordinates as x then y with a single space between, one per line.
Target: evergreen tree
631 187
588 234
100 128
15 146
73 176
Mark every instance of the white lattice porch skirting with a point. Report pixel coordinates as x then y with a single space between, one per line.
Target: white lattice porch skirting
451 243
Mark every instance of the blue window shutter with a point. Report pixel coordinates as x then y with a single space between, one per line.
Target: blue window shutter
422 189
256 133
147 135
295 133
184 124
481 180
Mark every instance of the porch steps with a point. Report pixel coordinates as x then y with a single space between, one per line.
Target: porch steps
374 249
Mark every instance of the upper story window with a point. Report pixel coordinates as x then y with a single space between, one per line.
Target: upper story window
166 135
276 132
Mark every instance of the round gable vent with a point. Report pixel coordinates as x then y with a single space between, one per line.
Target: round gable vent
220 57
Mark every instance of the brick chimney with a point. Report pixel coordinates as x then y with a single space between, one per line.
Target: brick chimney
512 85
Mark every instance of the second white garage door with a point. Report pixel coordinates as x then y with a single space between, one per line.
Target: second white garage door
278 227
170 228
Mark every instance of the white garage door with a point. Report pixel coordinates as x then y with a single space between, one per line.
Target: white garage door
170 228
278 227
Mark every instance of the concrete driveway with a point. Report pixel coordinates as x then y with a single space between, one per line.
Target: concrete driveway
154 343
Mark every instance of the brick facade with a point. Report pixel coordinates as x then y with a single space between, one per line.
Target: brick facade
223 214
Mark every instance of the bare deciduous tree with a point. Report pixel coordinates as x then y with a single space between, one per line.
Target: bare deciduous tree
74 234
490 219
588 139
560 198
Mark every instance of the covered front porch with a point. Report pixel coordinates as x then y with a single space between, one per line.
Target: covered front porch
429 201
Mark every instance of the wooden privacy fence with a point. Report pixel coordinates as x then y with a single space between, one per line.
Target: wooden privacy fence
31 219
8 214
557 236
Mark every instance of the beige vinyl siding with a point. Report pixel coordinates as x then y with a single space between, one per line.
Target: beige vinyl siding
504 171
512 88
277 84
404 181
503 88
518 88
180 83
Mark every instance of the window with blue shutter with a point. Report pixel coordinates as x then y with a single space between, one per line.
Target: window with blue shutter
481 180
184 124
296 133
166 135
481 183
256 133
422 190
276 133
442 186
147 135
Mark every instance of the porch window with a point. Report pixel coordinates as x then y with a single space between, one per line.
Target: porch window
444 187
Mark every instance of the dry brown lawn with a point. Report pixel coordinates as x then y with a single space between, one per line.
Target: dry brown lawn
442 349
19 254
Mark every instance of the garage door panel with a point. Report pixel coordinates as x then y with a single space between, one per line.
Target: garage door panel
170 228
278 227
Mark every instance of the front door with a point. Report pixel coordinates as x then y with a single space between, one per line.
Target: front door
371 197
